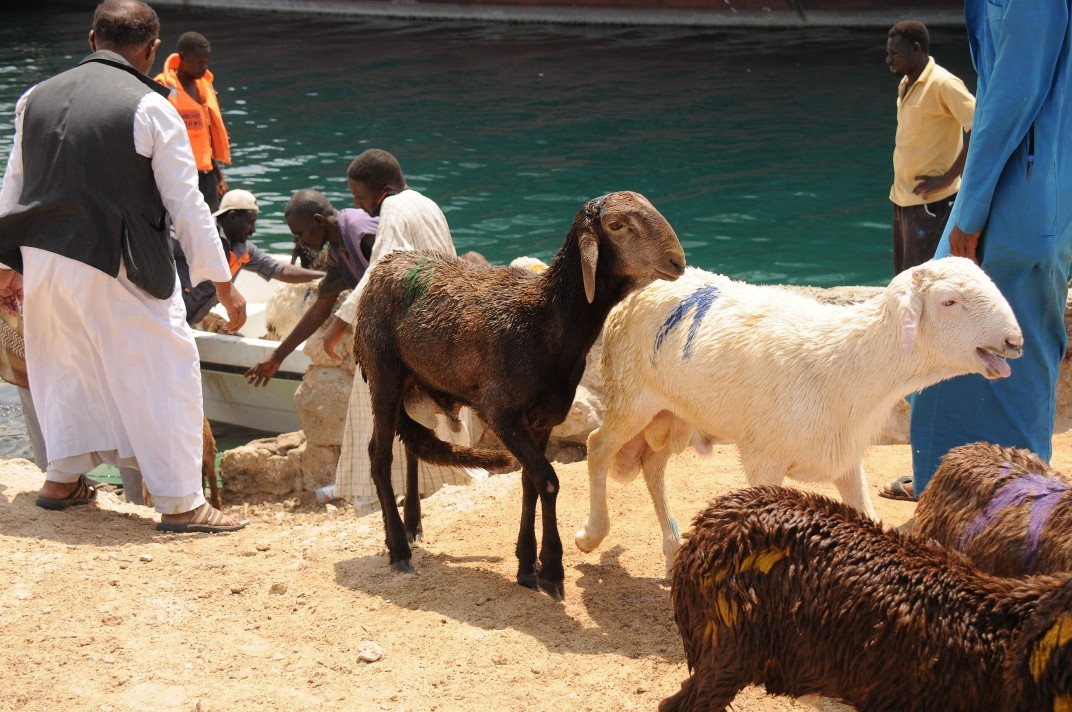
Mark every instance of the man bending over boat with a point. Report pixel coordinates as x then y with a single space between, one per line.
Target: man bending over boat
236 221
349 235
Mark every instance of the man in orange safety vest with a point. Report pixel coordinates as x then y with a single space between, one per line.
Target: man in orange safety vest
189 80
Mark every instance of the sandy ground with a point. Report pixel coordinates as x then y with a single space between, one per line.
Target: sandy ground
100 611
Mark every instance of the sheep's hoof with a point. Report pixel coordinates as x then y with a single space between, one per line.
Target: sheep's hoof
415 536
585 542
402 566
554 589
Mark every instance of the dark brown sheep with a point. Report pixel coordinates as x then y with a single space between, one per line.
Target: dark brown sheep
509 343
810 597
1003 507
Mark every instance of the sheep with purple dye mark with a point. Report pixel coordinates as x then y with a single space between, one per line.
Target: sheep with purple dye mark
809 597
1003 507
802 387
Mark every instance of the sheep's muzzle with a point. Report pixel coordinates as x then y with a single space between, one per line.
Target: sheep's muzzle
994 362
674 269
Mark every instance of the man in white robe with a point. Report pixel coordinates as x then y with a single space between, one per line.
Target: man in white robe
408 221
115 371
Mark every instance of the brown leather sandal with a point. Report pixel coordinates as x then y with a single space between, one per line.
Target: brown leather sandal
898 490
206 519
84 493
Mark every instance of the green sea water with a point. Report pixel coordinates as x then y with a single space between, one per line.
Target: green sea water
769 151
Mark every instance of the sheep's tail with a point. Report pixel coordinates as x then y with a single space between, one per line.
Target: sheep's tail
426 446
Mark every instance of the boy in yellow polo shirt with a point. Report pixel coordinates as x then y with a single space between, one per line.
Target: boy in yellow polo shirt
934 123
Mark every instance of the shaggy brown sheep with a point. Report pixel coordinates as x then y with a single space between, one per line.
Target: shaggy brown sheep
509 343
1003 507
810 597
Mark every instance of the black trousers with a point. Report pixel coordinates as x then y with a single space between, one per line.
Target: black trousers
917 229
209 185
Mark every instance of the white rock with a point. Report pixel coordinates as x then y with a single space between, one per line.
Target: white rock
368 651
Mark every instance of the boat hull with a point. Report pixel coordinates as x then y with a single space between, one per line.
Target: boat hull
229 398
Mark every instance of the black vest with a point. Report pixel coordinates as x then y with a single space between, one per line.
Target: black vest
87 194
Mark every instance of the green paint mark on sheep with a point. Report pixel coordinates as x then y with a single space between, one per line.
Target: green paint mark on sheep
415 286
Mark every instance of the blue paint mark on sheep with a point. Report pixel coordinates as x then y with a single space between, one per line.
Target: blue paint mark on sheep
701 299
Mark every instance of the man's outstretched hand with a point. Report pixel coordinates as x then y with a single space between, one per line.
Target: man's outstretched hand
260 374
234 303
333 334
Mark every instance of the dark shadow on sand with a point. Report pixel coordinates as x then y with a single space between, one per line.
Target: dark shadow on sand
75 526
636 621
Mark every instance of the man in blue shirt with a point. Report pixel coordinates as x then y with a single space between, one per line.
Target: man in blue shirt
1013 215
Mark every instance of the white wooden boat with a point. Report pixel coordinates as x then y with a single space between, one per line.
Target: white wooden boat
229 398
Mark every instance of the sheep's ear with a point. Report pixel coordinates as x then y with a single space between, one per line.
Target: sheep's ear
589 247
909 308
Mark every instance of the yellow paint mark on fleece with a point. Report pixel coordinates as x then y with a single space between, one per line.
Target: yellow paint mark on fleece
1062 703
1057 636
711 633
712 579
725 611
763 560
722 614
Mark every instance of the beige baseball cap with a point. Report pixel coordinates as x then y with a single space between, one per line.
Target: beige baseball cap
237 199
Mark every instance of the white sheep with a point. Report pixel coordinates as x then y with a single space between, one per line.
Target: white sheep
802 387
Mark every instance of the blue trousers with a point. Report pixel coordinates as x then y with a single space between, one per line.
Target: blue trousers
1032 273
